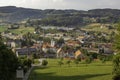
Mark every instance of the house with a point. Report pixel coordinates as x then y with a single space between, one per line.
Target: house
66 52
72 54
73 43
49 49
25 51
61 53
78 54
80 37
14 26
108 51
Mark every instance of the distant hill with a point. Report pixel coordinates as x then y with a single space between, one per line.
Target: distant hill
59 17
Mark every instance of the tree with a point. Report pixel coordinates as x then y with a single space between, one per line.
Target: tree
27 41
88 60
8 63
60 63
68 62
44 63
60 41
76 61
46 39
102 58
116 60
116 68
0 37
117 39
25 63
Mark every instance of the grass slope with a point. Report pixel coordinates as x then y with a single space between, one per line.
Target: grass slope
94 71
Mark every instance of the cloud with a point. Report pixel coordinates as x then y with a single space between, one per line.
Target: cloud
63 4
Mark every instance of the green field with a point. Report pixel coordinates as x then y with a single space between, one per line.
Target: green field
93 71
96 27
22 30
3 28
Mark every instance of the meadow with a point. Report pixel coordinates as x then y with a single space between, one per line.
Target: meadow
21 30
93 71
96 27
3 28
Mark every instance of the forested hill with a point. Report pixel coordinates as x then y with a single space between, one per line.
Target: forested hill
59 17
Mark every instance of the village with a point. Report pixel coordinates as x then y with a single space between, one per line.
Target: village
58 42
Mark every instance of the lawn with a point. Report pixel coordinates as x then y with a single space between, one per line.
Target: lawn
93 71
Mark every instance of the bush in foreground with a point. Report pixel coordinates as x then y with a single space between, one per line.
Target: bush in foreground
116 67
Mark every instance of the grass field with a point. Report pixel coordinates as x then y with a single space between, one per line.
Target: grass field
93 71
3 28
22 30
96 27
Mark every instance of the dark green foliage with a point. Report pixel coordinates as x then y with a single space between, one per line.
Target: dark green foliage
76 61
60 63
78 58
59 17
44 62
68 62
46 39
62 20
93 55
116 44
50 52
102 58
116 59
60 41
27 41
8 63
116 66
116 77
85 52
25 63
109 57
88 60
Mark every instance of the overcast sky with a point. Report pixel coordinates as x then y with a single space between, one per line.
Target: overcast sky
63 4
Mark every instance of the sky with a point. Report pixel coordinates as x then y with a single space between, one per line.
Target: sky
63 4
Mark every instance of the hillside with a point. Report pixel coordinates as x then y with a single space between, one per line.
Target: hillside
59 17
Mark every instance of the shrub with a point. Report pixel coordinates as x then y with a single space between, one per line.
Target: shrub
76 61
109 57
102 58
68 62
60 63
78 58
44 62
88 60
25 63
